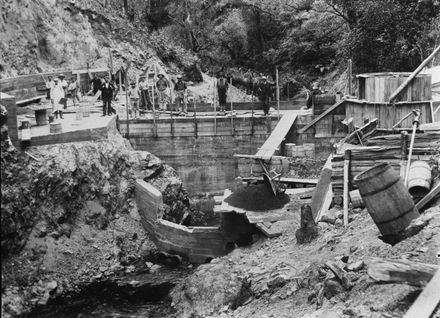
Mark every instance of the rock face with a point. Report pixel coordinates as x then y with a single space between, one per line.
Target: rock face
212 288
70 217
43 35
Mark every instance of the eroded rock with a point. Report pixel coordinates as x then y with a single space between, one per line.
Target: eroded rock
212 288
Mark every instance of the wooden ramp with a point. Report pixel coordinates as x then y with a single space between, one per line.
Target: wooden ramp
272 143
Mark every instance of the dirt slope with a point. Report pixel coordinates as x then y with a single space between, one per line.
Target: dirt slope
279 278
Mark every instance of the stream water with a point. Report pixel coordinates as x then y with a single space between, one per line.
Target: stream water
136 295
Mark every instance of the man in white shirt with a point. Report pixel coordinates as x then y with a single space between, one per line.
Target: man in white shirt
64 85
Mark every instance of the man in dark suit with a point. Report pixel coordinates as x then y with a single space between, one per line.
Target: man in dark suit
107 89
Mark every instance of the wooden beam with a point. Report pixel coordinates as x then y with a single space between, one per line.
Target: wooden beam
314 121
346 184
413 74
370 125
92 70
401 271
285 180
32 99
275 139
320 198
431 195
427 301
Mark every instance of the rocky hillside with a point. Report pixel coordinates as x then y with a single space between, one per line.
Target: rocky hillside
69 217
43 35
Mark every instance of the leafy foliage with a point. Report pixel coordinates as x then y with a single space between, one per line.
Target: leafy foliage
299 36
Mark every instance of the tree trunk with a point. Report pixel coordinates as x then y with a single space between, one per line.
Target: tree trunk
401 271
126 6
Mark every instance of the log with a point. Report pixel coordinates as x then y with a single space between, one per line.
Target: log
346 184
321 199
401 271
413 74
427 301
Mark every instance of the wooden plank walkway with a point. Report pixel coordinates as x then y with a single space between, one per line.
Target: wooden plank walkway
272 143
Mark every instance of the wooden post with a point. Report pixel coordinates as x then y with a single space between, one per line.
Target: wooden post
277 93
408 164
403 152
413 74
126 106
214 104
403 145
154 109
110 64
350 75
195 119
120 81
288 91
347 157
232 111
252 111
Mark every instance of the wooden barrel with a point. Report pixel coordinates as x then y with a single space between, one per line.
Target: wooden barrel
299 152
41 117
386 198
55 128
289 148
419 179
51 118
79 114
356 199
25 130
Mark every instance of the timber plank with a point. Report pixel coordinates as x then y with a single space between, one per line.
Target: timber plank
324 114
427 301
268 149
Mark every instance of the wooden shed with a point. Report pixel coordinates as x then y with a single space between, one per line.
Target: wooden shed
378 87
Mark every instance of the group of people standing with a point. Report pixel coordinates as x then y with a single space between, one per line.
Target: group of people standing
58 89
262 88
139 95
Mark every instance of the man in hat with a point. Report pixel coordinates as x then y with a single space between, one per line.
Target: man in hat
162 85
95 82
312 94
144 96
107 89
265 91
64 85
49 85
133 93
73 89
180 89
222 89
58 97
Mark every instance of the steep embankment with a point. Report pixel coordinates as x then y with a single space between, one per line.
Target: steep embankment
69 218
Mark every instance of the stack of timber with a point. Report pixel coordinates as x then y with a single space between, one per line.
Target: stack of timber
382 149
425 144
362 158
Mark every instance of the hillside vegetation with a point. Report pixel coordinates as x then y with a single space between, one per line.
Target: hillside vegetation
305 39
